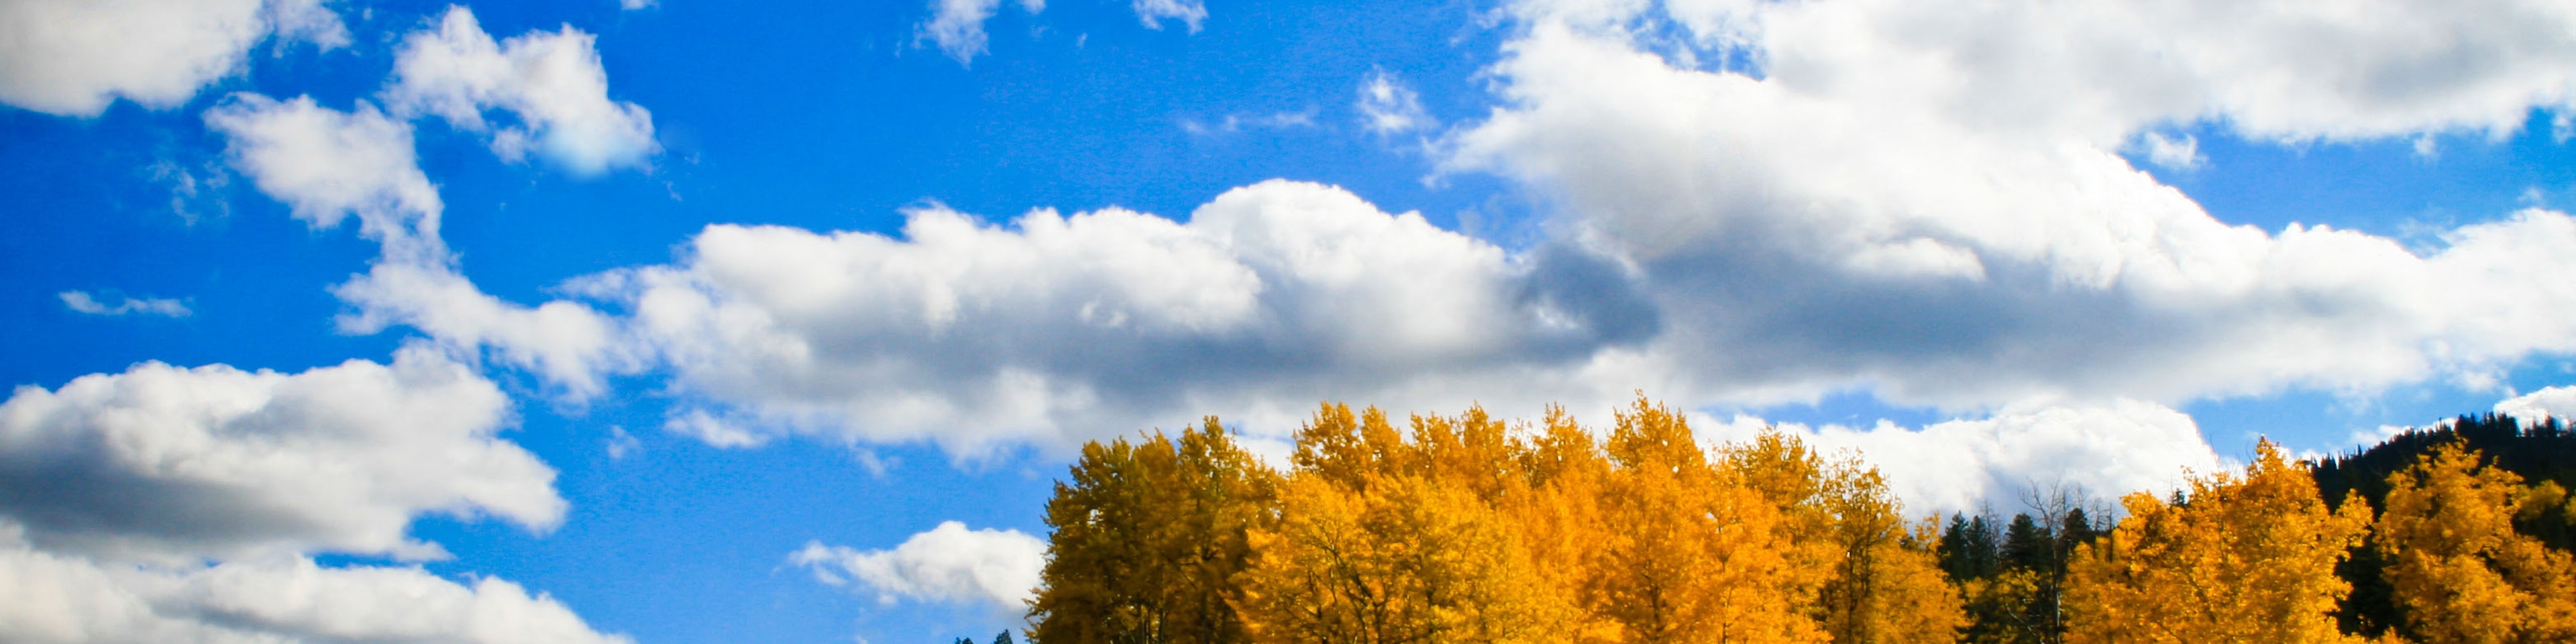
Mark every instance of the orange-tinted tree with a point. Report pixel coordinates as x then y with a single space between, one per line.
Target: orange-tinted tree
2247 558
1148 537
2457 569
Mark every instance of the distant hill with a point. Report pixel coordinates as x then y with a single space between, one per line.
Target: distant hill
2544 451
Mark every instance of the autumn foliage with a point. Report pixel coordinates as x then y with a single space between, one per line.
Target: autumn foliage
1470 529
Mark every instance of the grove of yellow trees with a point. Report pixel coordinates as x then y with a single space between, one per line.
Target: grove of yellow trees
1470 529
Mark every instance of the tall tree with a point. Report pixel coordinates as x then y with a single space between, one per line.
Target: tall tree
1696 553
1400 547
1148 538
2455 566
2248 559
1880 583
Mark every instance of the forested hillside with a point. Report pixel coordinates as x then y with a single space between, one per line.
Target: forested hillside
1467 529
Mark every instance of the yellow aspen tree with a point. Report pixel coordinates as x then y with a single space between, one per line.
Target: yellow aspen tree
2457 569
1879 586
1562 520
2245 559
1887 587
1394 552
1908 600
1147 539
1692 553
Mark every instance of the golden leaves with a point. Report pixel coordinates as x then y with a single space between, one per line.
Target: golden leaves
2248 559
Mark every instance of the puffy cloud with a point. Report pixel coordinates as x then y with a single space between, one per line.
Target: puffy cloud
552 84
328 165
570 344
948 563
1819 228
2017 454
2559 402
1270 297
1154 12
73 57
2099 71
164 504
48 598
957 26
173 464
1388 107
83 302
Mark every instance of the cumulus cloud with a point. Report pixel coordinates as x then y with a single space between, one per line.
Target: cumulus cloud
1388 107
957 26
1154 12
48 598
1945 236
1972 465
73 58
328 165
1268 298
551 85
948 563
2099 71
218 462
83 302
2558 402
164 504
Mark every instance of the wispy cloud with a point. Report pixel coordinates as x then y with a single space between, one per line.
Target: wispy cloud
84 302
1238 122
1388 107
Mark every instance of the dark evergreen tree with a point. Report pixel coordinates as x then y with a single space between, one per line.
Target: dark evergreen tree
2029 546
1968 549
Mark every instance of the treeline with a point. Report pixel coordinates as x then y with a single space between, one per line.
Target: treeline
1458 529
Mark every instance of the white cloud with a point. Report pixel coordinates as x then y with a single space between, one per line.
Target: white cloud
74 57
83 302
1965 465
714 431
1388 107
957 26
1853 219
2172 154
621 444
2098 71
633 5
1238 122
948 563
2559 402
1269 298
48 598
572 345
552 84
1153 12
174 464
184 505
329 165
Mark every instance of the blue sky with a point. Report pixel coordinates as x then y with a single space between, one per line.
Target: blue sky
689 322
